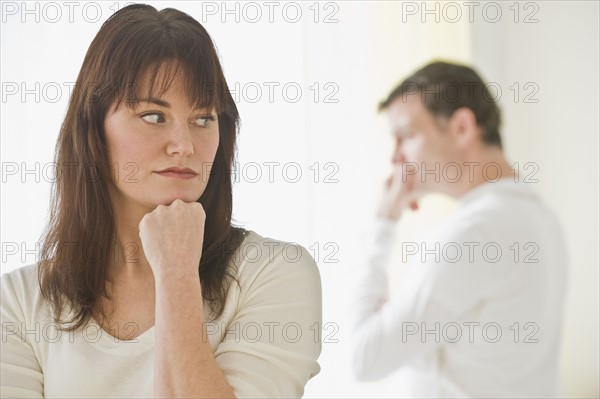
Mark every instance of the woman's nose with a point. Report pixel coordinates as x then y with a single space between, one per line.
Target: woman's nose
180 140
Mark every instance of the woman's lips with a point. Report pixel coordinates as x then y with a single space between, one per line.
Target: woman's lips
178 173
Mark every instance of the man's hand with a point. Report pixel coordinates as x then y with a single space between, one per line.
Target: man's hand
398 192
172 238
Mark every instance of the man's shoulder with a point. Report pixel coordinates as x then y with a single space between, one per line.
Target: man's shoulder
506 200
513 210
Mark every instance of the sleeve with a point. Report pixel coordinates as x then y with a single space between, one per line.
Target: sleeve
20 371
391 330
272 345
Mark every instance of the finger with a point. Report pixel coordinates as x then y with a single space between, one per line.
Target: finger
388 182
397 177
414 205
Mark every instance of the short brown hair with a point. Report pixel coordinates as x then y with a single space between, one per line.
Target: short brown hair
445 87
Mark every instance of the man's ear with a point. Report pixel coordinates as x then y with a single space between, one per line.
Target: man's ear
463 127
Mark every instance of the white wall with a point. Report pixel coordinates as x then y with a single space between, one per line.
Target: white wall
559 54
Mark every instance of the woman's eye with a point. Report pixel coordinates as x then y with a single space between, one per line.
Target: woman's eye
153 117
204 121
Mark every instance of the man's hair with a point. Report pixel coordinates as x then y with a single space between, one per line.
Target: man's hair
445 87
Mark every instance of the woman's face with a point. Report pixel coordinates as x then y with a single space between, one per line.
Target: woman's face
160 150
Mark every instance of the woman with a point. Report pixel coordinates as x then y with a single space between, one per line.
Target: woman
144 287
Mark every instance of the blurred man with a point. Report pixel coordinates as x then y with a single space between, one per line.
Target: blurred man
478 311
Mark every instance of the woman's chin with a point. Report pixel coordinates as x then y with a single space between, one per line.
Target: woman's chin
185 198
170 201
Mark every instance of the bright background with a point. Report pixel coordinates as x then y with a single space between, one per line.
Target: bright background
345 56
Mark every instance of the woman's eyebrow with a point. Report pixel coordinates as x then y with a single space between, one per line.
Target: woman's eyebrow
156 101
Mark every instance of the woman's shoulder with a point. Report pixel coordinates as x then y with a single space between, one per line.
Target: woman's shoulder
259 255
21 296
22 279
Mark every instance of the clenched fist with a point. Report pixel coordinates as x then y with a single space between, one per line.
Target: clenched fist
172 238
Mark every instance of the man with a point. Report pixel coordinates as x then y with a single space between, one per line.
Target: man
478 310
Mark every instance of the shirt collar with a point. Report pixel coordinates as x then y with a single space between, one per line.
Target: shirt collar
505 185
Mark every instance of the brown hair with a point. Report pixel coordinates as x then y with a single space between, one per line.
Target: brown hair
445 87
79 239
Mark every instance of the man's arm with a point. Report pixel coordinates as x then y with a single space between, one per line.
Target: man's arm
383 324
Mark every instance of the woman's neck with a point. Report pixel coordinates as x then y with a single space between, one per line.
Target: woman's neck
128 260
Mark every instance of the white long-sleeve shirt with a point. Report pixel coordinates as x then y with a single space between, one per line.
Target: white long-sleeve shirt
478 307
266 342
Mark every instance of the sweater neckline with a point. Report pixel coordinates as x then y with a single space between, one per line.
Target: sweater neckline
106 342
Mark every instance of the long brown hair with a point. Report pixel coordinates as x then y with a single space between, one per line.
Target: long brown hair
80 237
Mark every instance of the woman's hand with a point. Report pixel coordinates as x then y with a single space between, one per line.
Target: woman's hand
398 193
172 238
